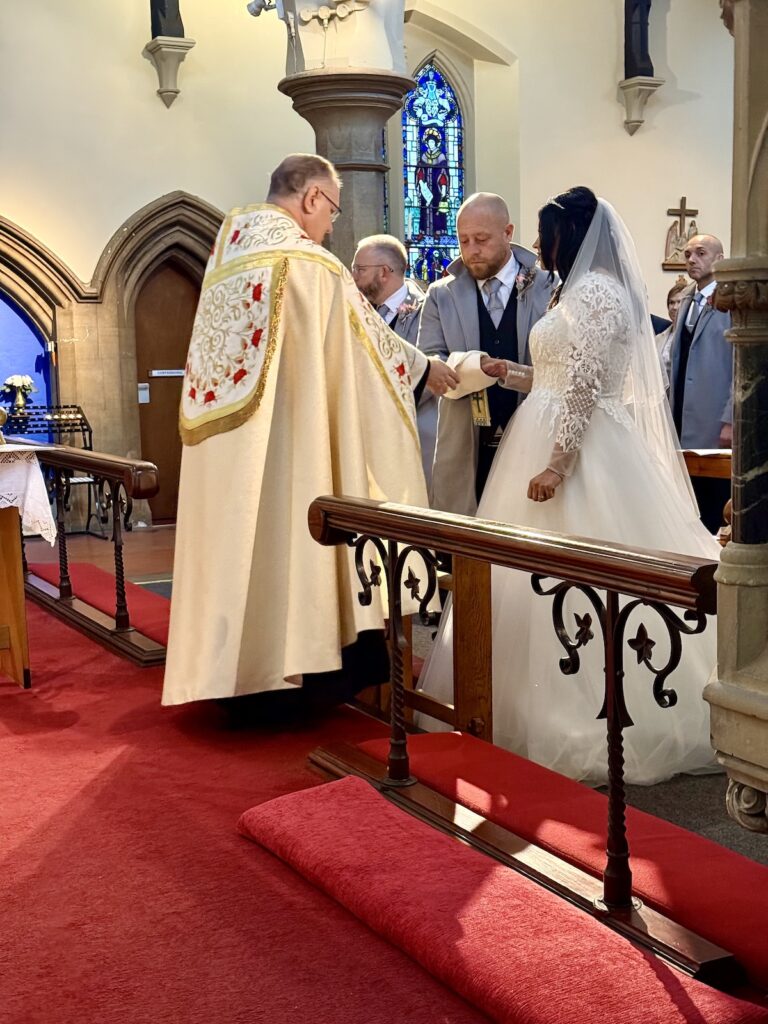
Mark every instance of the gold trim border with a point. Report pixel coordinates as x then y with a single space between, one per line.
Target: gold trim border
244 263
218 422
359 332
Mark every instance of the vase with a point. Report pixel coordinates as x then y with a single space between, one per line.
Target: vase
20 401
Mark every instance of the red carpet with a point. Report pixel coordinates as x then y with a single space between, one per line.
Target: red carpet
126 893
510 947
149 612
709 889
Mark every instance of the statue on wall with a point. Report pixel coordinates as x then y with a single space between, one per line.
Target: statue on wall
637 58
678 235
166 18
341 34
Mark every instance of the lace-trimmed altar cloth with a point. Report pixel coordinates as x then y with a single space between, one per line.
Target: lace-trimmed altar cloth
22 485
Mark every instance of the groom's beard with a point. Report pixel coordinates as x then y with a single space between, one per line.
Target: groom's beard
481 270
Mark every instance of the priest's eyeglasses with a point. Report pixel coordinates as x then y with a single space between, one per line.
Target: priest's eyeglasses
335 208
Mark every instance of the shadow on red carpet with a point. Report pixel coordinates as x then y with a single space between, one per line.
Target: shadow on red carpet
126 892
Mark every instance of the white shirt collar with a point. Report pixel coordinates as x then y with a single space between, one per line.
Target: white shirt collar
707 290
507 274
394 301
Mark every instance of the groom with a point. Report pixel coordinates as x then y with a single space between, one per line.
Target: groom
490 300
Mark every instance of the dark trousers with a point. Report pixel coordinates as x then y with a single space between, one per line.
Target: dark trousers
711 494
486 453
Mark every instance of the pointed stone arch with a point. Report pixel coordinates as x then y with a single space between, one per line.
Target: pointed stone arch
36 279
91 323
176 226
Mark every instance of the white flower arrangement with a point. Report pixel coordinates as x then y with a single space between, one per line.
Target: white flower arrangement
18 382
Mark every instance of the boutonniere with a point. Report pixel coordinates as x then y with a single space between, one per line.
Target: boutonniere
525 279
406 309
711 300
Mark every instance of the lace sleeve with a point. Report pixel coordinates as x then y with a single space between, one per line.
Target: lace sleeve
596 318
519 377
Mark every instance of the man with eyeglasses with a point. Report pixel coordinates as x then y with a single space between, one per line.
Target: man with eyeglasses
294 388
379 269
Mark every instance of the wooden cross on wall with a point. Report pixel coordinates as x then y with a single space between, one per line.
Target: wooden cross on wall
681 213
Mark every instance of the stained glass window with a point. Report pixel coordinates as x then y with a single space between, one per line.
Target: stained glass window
433 173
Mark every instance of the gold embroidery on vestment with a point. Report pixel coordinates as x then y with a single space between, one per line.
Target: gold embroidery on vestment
219 421
359 332
263 259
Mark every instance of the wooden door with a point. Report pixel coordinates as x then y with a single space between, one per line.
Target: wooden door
164 313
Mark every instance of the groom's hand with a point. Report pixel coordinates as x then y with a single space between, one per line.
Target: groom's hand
441 378
543 486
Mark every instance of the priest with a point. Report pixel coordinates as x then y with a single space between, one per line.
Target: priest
294 387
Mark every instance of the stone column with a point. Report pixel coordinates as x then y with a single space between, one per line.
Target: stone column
739 697
348 111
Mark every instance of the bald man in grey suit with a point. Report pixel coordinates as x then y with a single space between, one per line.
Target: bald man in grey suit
490 300
700 390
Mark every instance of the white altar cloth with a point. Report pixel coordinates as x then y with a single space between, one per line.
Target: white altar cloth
22 485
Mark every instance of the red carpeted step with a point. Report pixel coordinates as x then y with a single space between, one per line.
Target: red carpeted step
127 897
711 890
150 613
511 948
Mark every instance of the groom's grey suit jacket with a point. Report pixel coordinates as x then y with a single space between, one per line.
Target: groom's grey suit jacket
707 401
450 323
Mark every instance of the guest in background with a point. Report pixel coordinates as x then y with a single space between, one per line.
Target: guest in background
664 338
379 269
702 372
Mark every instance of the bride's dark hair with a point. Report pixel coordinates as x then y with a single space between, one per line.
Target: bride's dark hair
563 223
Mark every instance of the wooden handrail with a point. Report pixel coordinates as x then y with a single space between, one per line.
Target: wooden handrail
140 479
114 483
656 579
679 580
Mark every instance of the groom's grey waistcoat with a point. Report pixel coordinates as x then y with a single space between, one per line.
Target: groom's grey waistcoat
450 323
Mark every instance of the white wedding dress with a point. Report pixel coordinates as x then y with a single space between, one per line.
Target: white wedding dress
618 490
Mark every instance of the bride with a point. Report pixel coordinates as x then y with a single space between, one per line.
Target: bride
590 452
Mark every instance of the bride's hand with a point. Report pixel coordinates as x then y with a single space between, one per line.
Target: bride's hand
493 367
543 486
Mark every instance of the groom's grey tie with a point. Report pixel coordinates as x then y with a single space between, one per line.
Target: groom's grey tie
492 289
697 308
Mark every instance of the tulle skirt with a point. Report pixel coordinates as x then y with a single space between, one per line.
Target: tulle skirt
616 493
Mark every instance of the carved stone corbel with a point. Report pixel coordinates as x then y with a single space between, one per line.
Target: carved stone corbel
166 53
635 92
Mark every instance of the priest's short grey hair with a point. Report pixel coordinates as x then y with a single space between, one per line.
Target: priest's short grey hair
391 249
297 172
